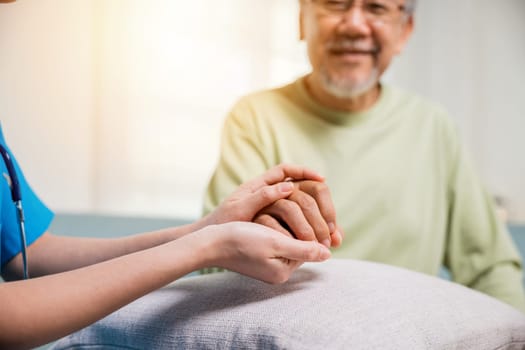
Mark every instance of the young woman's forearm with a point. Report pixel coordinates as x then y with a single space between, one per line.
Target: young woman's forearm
53 254
43 309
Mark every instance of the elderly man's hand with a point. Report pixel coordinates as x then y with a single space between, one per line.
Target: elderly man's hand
307 214
252 196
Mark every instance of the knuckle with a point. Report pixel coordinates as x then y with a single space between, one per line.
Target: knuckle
260 219
309 253
281 168
305 234
322 233
307 203
275 242
320 189
283 165
267 193
287 205
280 276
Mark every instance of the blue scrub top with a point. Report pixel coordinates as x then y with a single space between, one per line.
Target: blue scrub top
37 215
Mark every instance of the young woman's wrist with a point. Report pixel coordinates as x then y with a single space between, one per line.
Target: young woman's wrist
204 222
206 246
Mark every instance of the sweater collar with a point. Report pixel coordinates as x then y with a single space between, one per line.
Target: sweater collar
338 117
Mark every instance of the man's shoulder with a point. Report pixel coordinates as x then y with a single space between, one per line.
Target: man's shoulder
420 107
266 95
410 99
263 104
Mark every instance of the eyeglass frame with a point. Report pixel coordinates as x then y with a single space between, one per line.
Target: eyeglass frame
350 4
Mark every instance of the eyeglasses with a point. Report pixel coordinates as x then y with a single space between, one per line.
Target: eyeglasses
383 11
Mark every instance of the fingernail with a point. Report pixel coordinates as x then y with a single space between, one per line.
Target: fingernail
325 253
337 235
331 227
326 243
285 186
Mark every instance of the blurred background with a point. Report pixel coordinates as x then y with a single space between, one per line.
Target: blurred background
115 107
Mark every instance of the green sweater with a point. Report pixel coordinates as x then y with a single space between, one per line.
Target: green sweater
404 189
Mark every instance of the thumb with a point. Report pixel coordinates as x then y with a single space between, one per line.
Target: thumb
295 249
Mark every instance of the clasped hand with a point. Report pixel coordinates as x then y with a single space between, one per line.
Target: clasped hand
294 200
288 199
307 214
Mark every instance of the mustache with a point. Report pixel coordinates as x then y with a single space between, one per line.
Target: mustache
345 44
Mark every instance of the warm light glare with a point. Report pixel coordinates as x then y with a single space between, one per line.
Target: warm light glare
116 106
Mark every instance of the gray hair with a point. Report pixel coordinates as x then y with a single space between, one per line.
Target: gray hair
410 6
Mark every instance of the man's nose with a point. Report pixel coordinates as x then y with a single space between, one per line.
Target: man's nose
354 21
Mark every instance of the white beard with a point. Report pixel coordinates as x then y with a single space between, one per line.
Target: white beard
344 88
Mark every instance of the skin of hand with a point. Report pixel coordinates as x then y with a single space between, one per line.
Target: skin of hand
257 251
245 203
44 309
52 254
85 279
307 214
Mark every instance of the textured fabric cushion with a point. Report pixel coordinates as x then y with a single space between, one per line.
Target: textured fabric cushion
338 304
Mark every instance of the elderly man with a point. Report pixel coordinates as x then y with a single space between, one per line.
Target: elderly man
403 188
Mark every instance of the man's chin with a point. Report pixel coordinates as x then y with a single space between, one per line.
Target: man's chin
346 89
348 85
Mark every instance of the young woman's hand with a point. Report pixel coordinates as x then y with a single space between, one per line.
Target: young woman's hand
254 195
257 251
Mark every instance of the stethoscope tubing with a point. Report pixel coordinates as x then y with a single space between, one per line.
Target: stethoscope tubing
16 195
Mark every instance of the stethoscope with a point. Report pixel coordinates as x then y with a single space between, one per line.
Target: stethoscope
16 195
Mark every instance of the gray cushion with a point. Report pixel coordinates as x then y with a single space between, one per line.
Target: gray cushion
338 304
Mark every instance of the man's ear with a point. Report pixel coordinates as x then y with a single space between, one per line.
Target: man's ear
406 32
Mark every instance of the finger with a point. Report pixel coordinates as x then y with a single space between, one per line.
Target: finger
285 268
313 215
282 269
336 239
265 196
321 194
282 172
269 221
289 213
301 251
296 172
294 264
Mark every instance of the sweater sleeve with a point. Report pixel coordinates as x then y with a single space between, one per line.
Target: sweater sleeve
241 155
480 251
37 215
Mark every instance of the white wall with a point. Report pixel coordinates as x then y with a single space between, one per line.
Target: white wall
169 72
46 96
115 106
469 56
